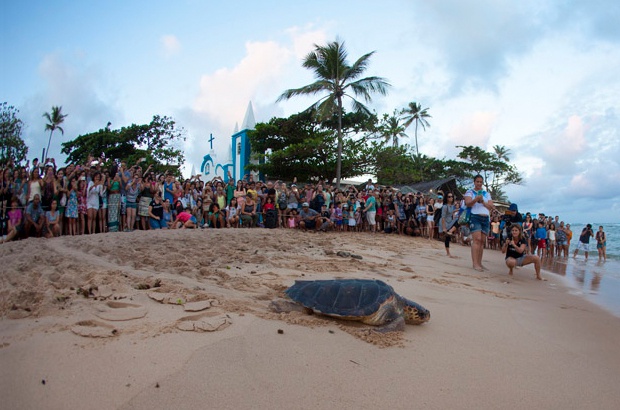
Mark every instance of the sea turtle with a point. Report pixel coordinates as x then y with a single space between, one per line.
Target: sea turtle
372 302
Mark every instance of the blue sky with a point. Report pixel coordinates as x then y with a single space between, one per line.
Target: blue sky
540 78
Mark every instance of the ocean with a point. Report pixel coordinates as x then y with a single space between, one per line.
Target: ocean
594 279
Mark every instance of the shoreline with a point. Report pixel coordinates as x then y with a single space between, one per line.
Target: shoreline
493 340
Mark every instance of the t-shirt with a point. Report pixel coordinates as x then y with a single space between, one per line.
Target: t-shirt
184 216
35 214
541 233
371 204
478 208
157 209
512 252
307 213
15 217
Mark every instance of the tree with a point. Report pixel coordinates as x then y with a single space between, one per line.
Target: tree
493 166
54 119
156 142
336 77
392 129
301 146
12 146
415 113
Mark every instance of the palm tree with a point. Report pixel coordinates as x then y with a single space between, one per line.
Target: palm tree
392 128
54 119
414 112
336 77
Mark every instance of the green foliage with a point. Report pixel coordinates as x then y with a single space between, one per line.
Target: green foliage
335 77
157 142
300 146
494 166
415 113
12 146
54 119
392 129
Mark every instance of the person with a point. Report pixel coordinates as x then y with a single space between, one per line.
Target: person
114 202
515 248
560 240
481 205
584 241
308 217
185 220
249 216
51 228
71 211
216 216
527 231
15 222
35 217
371 211
232 213
551 238
156 212
601 244
92 201
541 237
448 221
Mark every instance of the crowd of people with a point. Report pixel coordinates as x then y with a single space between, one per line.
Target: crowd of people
47 200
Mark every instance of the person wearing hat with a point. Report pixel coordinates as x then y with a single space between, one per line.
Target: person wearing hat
308 217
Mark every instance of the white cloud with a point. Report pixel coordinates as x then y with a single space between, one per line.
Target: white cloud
170 45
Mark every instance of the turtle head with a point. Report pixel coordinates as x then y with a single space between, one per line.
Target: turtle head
415 314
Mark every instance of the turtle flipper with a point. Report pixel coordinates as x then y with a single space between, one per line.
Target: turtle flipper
397 325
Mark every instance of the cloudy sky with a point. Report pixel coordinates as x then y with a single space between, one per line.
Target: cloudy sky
539 77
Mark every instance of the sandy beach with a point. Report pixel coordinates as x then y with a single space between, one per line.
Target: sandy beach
181 319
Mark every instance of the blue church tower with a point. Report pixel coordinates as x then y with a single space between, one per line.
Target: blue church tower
238 156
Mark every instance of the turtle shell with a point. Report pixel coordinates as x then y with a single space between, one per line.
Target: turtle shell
341 297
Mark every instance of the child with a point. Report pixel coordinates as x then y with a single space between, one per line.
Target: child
216 217
390 222
515 249
351 215
541 235
495 233
601 244
185 220
551 240
15 221
82 210
292 219
71 211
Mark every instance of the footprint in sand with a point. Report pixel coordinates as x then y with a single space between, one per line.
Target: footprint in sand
205 322
120 311
94 328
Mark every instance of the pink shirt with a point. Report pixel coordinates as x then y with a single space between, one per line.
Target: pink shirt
15 217
184 216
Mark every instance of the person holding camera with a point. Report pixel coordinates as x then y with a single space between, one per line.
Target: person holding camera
584 241
515 248
481 205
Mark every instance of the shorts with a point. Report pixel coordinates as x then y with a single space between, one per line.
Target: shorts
370 216
132 205
583 247
561 243
519 260
292 206
479 223
157 224
193 219
542 244
310 224
601 245
338 222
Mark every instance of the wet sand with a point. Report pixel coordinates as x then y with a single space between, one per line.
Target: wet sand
181 319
